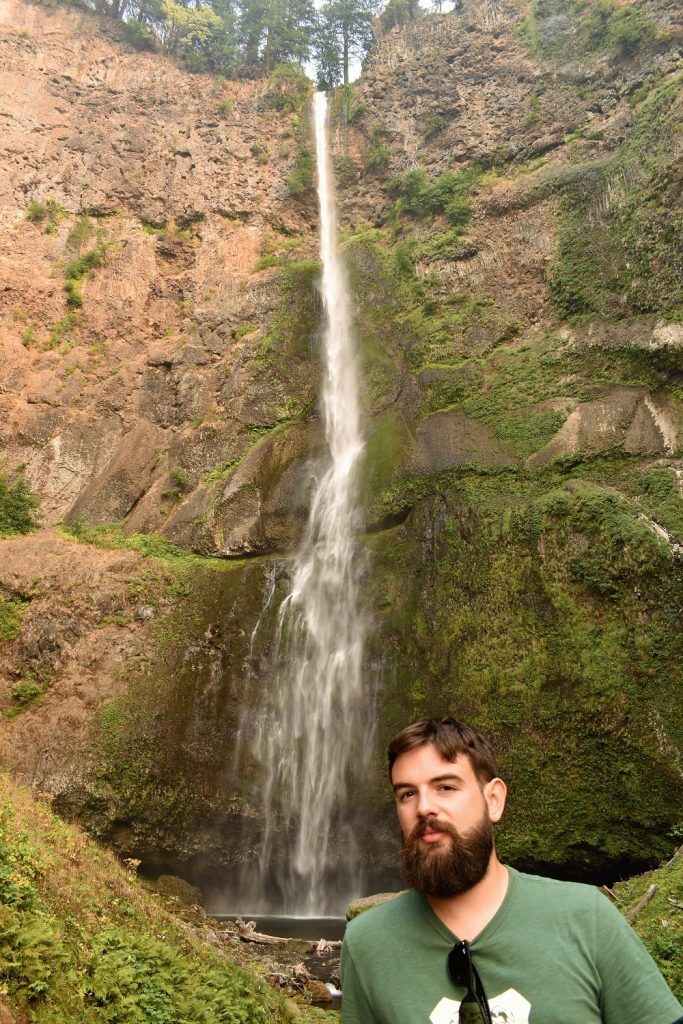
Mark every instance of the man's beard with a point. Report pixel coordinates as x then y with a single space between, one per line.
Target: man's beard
449 866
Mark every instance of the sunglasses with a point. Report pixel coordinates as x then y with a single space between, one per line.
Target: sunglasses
464 974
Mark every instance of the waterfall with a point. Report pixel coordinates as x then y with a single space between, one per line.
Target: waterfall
314 727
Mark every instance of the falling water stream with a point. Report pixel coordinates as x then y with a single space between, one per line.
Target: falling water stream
313 729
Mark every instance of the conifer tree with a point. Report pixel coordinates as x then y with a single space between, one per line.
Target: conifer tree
399 12
289 32
346 24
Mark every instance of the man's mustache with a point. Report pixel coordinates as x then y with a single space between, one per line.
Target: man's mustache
434 825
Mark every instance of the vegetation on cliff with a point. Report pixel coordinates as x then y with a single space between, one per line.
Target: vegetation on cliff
18 506
510 224
81 939
659 922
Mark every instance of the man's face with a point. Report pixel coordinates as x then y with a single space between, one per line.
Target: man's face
446 819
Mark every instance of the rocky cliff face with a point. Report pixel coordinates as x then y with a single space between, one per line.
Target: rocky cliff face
177 185
510 190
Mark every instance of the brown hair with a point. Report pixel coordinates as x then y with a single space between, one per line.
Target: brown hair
452 739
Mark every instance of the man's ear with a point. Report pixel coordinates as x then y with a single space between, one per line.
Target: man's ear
495 793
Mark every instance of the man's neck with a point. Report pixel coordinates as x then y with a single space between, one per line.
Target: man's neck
468 913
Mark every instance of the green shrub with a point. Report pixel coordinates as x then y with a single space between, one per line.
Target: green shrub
247 328
270 259
18 506
420 196
180 478
377 158
48 214
258 151
620 29
301 178
11 614
81 232
81 940
290 88
435 125
20 866
26 692
62 328
74 299
36 212
225 107
76 270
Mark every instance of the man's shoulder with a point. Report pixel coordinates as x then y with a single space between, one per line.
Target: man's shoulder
383 916
555 893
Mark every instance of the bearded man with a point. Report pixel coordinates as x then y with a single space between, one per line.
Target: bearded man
473 940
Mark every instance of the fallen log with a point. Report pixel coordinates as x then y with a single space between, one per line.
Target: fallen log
677 854
325 946
247 933
642 902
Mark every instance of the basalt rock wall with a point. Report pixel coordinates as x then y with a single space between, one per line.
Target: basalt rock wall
509 188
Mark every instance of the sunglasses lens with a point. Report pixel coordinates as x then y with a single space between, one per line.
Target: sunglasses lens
463 973
459 969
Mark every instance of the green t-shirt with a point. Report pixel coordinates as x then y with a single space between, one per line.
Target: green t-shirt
554 953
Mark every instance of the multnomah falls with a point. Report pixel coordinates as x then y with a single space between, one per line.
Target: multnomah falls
315 726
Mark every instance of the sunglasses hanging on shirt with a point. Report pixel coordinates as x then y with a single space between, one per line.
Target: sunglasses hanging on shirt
464 974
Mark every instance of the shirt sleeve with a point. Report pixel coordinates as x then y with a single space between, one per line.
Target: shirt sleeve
633 988
355 1008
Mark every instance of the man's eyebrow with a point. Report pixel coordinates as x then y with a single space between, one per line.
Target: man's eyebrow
449 777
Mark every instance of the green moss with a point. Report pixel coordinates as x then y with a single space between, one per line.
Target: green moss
298 315
300 181
544 611
385 449
624 258
260 435
574 28
659 493
660 922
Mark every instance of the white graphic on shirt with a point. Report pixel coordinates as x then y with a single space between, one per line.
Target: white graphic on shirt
508 1008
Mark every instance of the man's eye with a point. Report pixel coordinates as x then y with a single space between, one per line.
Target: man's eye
405 793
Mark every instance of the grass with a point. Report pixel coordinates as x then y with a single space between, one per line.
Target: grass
660 923
83 942
11 613
148 545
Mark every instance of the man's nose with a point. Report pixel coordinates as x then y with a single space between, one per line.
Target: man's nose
425 804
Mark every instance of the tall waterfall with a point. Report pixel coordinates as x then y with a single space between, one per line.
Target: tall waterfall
314 729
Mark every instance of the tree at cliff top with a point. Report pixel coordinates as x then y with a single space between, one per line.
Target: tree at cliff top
272 32
399 12
345 32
